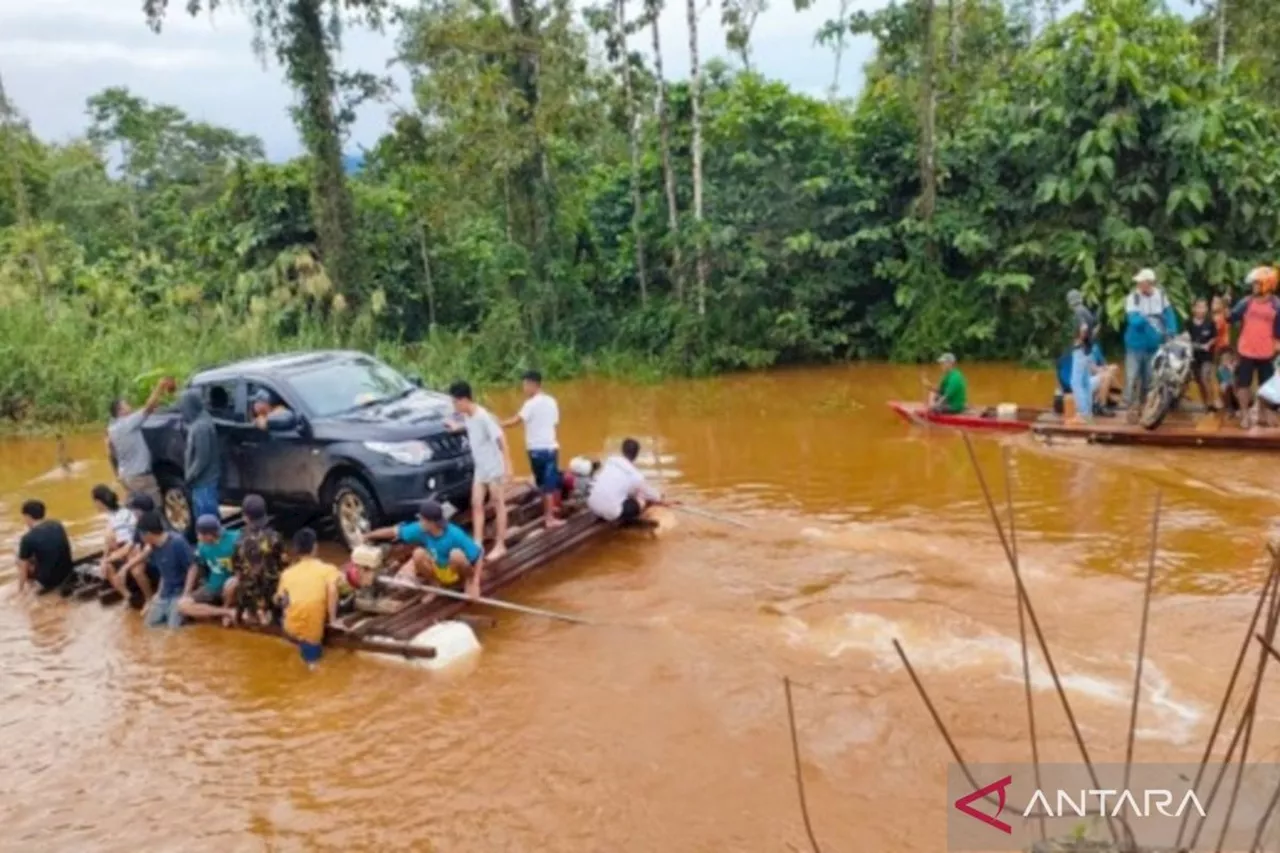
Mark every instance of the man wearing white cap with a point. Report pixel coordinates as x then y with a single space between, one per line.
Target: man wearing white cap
951 397
1149 321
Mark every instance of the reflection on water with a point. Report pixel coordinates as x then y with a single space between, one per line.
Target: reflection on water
666 732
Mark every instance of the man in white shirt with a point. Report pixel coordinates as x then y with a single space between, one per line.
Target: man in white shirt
541 415
619 491
492 460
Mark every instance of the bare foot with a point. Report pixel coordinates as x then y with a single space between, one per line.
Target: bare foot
498 552
427 598
264 617
473 589
552 522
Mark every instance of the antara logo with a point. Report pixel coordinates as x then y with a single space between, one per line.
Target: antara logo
1099 802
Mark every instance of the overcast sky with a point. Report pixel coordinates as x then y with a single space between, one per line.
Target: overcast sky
56 53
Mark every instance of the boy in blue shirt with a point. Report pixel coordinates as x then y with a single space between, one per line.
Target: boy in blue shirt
444 554
175 564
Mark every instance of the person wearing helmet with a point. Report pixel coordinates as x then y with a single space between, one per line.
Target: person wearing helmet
1149 322
1259 318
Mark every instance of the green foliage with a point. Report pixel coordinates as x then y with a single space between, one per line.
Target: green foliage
493 221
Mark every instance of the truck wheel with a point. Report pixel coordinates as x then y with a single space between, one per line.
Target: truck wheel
354 510
175 504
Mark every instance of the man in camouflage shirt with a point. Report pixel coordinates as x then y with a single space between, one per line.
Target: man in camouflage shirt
257 562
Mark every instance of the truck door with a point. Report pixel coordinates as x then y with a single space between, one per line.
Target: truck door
280 465
220 399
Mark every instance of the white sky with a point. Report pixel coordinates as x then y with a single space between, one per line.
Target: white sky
54 54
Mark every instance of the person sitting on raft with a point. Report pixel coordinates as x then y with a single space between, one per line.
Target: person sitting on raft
444 555
124 577
308 595
175 564
951 395
619 491
120 529
215 547
44 552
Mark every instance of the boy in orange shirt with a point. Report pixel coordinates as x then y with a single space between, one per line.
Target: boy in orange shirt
308 594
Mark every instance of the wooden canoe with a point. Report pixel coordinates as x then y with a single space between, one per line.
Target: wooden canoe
981 419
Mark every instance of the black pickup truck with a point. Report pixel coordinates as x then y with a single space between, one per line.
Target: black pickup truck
352 440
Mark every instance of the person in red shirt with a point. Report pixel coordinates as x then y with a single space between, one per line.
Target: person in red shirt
1259 319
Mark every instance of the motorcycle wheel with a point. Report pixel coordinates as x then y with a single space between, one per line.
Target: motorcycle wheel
1158 403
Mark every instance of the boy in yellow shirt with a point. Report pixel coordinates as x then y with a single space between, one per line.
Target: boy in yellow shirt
308 594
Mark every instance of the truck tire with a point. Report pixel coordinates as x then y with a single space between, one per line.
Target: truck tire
175 503
352 505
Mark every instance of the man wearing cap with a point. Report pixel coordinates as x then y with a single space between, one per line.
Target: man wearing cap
1149 322
265 406
444 554
215 547
257 560
951 397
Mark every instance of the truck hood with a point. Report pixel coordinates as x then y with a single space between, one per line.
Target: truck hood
417 415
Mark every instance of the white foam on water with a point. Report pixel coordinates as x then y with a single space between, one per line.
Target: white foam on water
1170 719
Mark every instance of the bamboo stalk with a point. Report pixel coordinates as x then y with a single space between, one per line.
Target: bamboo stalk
1142 641
795 753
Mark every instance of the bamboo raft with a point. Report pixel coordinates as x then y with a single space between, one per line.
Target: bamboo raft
1221 437
386 623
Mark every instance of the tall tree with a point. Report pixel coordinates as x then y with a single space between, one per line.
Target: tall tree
928 113
834 34
654 10
633 138
695 106
739 19
13 127
304 35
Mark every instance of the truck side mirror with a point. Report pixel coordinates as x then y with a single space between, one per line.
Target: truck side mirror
285 421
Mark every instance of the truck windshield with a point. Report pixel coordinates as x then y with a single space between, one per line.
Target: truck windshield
358 382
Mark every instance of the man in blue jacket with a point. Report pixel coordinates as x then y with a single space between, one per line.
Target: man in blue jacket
1149 322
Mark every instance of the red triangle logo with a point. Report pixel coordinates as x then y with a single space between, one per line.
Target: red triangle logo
997 788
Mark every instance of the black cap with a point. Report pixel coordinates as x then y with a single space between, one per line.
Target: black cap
208 525
141 502
254 507
431 511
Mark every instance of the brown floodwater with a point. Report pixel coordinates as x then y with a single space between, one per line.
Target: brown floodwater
670 736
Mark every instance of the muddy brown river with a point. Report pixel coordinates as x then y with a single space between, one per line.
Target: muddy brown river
671 736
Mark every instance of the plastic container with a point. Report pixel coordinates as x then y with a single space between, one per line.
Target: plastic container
1007 411
455 644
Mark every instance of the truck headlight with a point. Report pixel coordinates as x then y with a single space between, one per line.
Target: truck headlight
404 452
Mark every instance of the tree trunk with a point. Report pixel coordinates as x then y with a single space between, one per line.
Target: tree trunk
695 102
523 73
668 175
953 29
427 279
633 135
305 54
1222 34
928 108
838 50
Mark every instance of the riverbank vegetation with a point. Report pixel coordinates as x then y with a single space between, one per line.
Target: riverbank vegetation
544 196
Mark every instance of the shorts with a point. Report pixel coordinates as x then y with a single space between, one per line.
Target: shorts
208 595
164 612
630 511
310 652
546 469
486 477
1250 367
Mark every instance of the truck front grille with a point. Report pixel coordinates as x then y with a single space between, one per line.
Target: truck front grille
447 446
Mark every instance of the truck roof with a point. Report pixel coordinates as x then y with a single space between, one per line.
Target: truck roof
279 364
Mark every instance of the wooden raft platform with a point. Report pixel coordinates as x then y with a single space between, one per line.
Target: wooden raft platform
385 622
1224 437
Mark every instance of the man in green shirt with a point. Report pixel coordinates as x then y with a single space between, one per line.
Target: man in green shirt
952 394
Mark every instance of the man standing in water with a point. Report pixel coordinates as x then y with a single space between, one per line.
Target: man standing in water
126 447
44 552
308 595
541 415
492 465
203 467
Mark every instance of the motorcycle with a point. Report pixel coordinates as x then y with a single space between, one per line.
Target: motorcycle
1170 375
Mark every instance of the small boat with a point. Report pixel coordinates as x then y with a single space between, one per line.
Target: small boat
990 418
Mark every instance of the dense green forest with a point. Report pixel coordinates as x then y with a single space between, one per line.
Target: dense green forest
545 197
